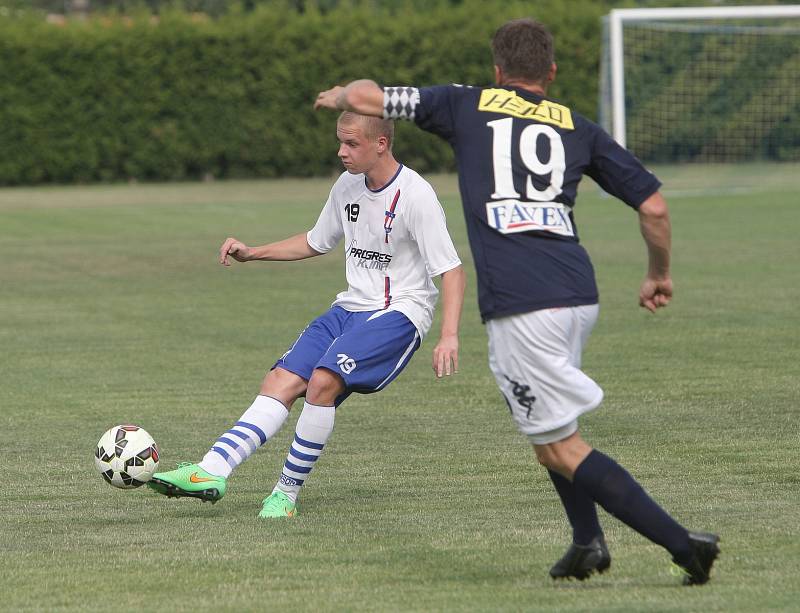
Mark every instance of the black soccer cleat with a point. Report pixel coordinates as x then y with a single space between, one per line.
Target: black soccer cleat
581 561
705 549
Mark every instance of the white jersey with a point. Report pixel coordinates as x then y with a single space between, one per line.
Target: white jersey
395 240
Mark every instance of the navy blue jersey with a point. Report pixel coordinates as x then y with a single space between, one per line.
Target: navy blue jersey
520 158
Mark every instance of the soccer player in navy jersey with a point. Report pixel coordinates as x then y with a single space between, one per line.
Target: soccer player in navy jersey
395 241
520 157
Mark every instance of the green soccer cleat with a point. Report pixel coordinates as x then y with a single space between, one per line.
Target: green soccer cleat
277 504
190 481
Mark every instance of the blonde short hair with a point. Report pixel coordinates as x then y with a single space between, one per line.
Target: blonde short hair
373 127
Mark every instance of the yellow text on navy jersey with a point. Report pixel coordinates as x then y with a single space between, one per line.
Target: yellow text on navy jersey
509 103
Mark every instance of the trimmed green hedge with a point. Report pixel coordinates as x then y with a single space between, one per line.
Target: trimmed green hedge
184 96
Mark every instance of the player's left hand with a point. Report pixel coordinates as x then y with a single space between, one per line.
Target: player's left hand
328 98
445 356
234 248
655 293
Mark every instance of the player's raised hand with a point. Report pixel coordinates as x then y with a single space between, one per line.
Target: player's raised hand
328 98
234 248
445 356
655 293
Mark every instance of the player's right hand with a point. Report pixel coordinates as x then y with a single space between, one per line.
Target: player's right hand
234 248
328 98
445 356
655 293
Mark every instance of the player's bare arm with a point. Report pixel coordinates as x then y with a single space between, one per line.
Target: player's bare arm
445 353
363 96
290 249
656 289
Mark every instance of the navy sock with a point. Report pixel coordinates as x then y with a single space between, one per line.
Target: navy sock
580 508
613 488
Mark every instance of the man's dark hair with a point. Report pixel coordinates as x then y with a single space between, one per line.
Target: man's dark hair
523 49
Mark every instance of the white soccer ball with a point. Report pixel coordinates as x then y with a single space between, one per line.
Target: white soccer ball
126 456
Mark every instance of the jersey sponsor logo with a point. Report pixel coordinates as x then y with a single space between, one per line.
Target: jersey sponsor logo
346 363
510 216
371 260
509 103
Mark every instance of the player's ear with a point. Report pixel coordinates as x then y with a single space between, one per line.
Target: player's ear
383 144
551 76
498 75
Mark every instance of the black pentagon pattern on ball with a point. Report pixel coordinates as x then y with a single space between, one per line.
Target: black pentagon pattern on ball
128 480
108 475
145 455
120 441
135 461
103 454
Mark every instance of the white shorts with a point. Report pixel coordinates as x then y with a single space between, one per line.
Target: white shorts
536 360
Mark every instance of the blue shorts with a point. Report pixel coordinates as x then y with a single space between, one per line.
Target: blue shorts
367 349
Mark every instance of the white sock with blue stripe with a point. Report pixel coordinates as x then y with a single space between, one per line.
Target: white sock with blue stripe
258 424
314 426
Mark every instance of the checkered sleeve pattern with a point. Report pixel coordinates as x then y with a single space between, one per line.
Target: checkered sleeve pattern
400 102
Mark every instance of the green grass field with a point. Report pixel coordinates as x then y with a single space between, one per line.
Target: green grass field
114 309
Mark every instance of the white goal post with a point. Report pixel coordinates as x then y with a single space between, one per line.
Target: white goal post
613 74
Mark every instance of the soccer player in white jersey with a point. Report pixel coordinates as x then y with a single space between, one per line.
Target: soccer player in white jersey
520 157
395 240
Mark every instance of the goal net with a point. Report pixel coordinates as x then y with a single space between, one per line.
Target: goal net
707 84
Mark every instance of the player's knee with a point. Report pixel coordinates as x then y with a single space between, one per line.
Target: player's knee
545 456
549 457
283 385
324 386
